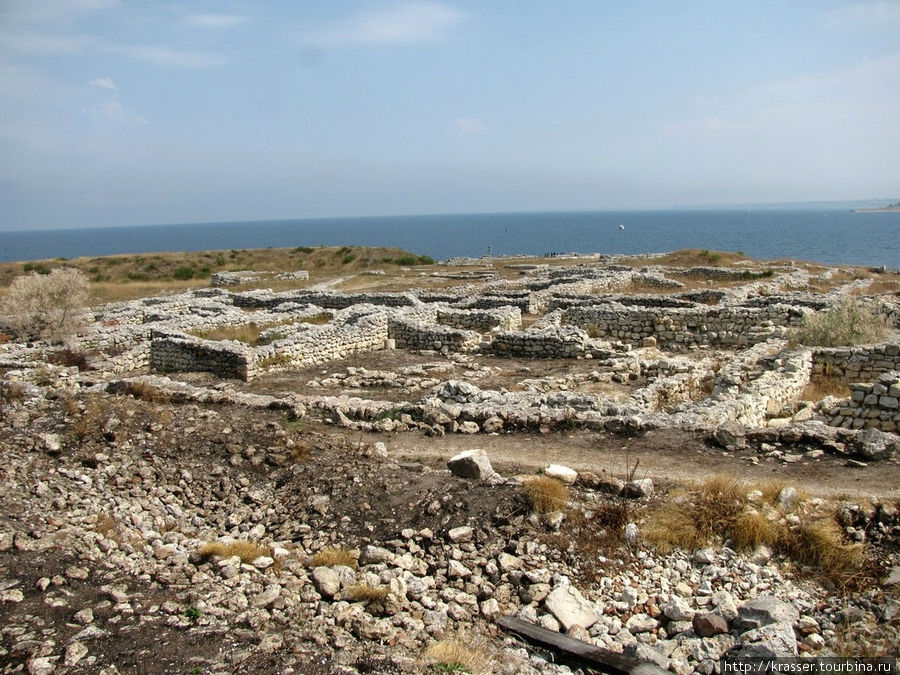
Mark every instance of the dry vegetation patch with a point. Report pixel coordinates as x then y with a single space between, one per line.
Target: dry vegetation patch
460 655
247 551
546 494
329 557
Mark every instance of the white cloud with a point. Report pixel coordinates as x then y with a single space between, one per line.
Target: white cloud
395 24
467 126
878 14
214 20
102 83
43 45
54 10
164 56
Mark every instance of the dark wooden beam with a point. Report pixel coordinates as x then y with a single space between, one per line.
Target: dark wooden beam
577 652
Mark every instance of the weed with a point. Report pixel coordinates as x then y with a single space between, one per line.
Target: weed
456 655
247 551
193 613
546 494
147 392
367 593
821 386
69 358
347 259
851 322
328 557
274 361
752 529
13 391
821 543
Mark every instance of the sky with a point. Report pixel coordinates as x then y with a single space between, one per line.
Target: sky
122 112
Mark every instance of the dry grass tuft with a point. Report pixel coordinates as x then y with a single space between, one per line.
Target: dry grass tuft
367 593
821 386
712 510
821 543
457 655
771 489
546 494
751 529
247 551
329 557
147 392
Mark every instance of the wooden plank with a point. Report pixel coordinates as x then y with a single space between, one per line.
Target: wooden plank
574 651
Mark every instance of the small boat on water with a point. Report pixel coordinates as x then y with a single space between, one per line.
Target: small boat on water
621 227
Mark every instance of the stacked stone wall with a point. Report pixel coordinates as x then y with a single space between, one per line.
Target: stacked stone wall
856 364
550 343
871 405
411 334
483 321
179 352
326 299
672 327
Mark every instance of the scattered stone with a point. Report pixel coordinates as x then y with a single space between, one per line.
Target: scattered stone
563 473
471 464
570 608
709 624
763 611
460 534
638 488
874 445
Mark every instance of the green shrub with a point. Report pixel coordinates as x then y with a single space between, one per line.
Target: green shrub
848 323
183 273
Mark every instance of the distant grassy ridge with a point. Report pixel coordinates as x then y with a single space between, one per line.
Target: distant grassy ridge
120 277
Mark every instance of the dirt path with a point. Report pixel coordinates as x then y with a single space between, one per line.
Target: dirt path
664 455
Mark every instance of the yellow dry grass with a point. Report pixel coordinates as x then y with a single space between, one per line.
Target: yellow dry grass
546 494
338 555
457 654
366 593
821 386
247 551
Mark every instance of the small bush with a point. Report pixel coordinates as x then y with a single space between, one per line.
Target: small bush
47 307
848 323
303 249
247 551
183 273
329 557
347 259
546 494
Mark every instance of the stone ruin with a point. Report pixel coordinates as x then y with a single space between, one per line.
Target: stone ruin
693 358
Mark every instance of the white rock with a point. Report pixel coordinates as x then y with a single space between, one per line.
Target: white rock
570 607
561 472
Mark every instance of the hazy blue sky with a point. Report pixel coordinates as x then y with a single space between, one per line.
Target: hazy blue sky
125 112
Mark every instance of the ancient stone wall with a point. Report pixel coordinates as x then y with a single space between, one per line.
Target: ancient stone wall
483 321
872 405
550 343
673 327
179 352
856 364
327 299
411 334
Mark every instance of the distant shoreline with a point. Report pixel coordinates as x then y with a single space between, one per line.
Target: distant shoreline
883 209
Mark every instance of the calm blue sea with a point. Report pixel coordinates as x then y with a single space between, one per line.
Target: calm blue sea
829 236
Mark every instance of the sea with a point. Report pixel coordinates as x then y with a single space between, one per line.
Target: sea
833 236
